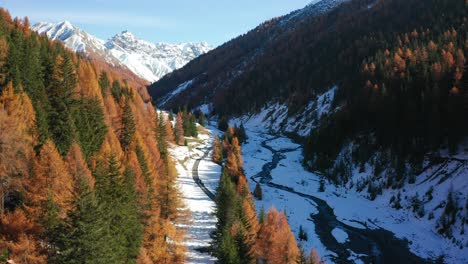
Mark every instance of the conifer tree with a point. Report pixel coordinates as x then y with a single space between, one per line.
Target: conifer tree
104 83
258 192
116 196
128 126
217 155
90 125
169 131
171 204
3 58
161 135
60 93
202 120
86 239
179 130
193 126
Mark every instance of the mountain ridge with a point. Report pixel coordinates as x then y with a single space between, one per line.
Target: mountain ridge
149 61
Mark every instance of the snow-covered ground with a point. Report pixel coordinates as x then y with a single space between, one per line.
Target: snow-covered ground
350 206
276 117
199 204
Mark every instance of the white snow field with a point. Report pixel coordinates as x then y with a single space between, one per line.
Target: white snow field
350 207
199 204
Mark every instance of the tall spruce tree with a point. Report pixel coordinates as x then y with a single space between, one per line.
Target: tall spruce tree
128 126
60 93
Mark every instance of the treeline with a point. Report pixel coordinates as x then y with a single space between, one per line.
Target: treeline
84 171
241 236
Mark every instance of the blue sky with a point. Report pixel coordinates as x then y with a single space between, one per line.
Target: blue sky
214 21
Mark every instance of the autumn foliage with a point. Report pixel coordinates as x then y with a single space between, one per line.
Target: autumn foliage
82 174
240 237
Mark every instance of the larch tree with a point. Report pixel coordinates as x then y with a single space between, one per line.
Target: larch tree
51 181
169 131
314 258
231 166
77 166
217 155
17 237
169 196
179 130
276 243
17 137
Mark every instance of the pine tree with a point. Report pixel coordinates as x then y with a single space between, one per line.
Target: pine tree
202 120
90 125
161 136
258 192
128 126
193 126
302 234
116 90
104 83
60 93
226 207
3 58
86 239
116 196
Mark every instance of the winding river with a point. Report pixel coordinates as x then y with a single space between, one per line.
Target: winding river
373 245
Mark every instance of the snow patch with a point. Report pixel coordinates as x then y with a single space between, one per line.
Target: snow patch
275 117
178 90
340 235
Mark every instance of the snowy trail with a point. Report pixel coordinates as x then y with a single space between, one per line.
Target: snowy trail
197 179
194 158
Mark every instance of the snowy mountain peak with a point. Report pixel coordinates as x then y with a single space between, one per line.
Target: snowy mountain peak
66 24
147 60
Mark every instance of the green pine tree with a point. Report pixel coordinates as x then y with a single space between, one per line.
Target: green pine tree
128 126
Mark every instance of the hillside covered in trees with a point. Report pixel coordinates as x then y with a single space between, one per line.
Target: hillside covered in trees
84 172
86 175
392 74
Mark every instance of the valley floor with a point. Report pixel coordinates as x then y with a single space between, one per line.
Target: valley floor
199 204
355 225
352 210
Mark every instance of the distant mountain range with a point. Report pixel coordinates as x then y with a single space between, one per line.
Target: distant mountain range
147 60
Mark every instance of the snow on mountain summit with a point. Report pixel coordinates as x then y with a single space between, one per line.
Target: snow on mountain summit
147 60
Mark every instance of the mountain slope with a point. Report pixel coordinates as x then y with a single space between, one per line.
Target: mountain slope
377 92
148 61
82 170
222 69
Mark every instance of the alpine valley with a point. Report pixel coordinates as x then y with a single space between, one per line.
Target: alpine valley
336 133
354 112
